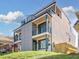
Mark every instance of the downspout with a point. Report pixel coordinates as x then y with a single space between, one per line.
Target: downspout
14 42
46 31
52 43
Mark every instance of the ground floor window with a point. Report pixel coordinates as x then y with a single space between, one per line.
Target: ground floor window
42 44
34 45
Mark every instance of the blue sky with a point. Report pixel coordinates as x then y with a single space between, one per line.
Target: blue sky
22 8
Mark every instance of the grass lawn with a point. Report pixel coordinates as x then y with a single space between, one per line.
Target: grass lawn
38 55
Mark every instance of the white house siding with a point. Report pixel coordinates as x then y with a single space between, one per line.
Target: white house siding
73 39
60 29
69 30
26 37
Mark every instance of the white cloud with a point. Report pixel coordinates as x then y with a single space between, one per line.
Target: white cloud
11 16
69 9
70 12
1 33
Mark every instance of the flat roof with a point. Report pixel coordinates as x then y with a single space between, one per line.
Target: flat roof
28 22
39 12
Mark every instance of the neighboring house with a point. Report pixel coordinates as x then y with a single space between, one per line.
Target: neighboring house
5 43
76 26
48 29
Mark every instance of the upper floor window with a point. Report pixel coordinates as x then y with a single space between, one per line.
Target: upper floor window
42 28
34 29
16 37
20 36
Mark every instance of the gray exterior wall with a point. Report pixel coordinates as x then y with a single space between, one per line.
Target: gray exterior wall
26 37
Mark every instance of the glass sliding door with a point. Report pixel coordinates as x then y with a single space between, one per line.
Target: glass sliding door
42 28
34 45
42 44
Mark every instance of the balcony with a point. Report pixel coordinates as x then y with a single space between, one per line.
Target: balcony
40 36
41 28
39 25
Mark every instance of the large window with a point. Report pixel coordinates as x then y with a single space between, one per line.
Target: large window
42 44
34 44
16 37
42 28
34 29
20 36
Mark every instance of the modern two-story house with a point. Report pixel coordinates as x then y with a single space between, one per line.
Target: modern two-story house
49 30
